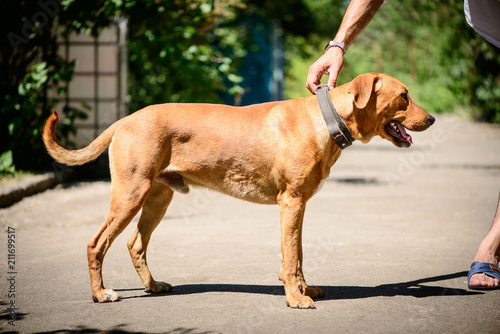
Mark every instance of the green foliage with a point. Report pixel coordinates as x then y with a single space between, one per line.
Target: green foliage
7 163
179 51
183 51
33 80
26 112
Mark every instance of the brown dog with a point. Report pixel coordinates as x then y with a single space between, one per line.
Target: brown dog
271 153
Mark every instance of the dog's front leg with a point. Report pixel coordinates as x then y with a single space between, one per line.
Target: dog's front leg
311 291
292 214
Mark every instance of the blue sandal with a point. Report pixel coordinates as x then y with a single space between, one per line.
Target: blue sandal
489 269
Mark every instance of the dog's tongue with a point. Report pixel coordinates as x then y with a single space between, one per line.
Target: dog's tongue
403 133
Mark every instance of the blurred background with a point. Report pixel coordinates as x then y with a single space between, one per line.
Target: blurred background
96 61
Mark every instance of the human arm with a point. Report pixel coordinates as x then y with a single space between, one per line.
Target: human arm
357 16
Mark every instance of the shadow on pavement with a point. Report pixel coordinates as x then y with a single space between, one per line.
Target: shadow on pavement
121 330
412 288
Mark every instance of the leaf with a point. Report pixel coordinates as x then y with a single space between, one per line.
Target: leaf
22 89
7 163
39 67
235 78
11 128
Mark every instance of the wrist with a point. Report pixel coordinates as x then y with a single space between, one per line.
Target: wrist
336 44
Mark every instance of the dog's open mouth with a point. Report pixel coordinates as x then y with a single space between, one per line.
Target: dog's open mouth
397 131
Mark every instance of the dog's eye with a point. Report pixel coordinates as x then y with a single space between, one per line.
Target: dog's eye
405 96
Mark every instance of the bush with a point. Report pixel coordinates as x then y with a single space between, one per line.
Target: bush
30 68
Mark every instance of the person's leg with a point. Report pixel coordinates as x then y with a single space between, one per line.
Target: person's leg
488 252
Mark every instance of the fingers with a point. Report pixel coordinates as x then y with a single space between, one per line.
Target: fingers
337 61
314 77
334 73
332 81
331 63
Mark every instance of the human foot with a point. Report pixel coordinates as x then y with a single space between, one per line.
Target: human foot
483 275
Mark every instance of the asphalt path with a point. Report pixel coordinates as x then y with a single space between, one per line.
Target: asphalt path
389 238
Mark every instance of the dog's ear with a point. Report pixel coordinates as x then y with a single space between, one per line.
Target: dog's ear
362 87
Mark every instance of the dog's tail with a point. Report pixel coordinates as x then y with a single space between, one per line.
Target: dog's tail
74 157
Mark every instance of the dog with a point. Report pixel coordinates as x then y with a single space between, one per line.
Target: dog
269 153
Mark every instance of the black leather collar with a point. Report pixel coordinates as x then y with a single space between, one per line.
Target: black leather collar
336 126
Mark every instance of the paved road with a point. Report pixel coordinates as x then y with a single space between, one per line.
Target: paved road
389 238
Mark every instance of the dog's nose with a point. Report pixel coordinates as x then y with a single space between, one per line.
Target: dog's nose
431 120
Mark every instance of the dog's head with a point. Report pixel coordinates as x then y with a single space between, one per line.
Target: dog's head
382 106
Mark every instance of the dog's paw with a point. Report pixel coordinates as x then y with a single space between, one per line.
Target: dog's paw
159 287
314 292
106 295
301 302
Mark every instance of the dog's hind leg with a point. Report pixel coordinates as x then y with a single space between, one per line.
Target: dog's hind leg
153 210
127 198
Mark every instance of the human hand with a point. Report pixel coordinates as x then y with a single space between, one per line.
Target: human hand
329 63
